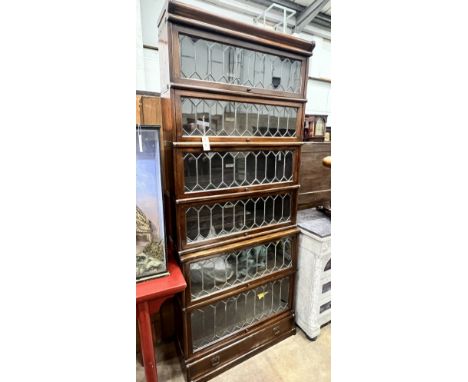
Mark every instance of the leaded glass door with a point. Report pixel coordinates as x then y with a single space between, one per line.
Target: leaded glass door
213 275
237 168
205 59
236 118
222 318
224 219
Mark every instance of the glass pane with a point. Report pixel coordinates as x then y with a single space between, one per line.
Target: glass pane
220 170
226 270
150 241
286 207
211 117
288 165
328 265
192 223
206 60
225 317
219 219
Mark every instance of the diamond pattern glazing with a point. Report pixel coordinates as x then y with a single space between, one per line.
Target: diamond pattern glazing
219 170
226 270
208 117
206 60
219 219
225 317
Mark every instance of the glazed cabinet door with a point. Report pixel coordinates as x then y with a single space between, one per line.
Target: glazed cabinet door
229 217
235 266
233 169
232 118
213 60
222 318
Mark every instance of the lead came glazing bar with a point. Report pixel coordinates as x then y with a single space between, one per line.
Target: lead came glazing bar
282 208
284 167
255 214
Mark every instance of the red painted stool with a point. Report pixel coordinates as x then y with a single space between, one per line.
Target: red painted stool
150 295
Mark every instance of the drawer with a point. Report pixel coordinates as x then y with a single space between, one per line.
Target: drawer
227 218
212 273
241 349
234 169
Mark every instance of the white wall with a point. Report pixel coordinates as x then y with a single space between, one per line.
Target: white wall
318 92
147 15
140 61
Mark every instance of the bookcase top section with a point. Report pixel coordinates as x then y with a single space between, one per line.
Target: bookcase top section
180 13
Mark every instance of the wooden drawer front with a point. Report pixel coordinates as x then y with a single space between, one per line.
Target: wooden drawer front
209 60
220 319
207 222
219 273
235 169
225 357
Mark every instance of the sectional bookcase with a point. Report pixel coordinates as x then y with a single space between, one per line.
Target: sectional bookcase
233 100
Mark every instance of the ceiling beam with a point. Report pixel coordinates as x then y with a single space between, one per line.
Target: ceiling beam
308 14
285 3
322 19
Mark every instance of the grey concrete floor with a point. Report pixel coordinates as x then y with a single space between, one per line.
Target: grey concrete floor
296 359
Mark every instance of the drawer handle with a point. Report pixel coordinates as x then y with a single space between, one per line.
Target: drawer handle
215 361
276 330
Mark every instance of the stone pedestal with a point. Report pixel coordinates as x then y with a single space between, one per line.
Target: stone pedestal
313 284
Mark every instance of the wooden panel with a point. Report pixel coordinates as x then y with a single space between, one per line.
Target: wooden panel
314 177
148 110
313 199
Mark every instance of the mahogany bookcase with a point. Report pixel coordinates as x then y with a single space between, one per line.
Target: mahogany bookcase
232 98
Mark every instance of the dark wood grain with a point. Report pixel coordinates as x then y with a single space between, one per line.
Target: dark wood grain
315 178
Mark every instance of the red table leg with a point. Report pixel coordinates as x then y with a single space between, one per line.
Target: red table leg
146 341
